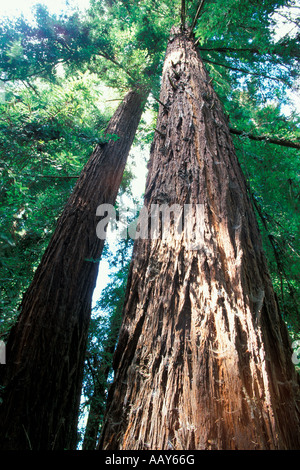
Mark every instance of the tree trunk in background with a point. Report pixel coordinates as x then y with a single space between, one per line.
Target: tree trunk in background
203 359
98 399
46 348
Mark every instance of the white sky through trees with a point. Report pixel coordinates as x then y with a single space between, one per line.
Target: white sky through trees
17 7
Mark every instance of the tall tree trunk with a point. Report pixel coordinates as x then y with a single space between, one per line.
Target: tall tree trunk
46 348
203 359
98 399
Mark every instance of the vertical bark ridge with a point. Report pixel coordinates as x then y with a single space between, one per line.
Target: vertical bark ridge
203 359
46 347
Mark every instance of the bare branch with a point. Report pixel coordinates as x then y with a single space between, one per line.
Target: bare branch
66 177
201 4
237 69
271 140
183 14
277 51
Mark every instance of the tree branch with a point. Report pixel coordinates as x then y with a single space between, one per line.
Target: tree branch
160 102
67 177
237 69
115 62
201 4
278 51
183 14
271 140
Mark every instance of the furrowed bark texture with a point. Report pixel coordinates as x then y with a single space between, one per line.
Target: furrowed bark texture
46 347
203 359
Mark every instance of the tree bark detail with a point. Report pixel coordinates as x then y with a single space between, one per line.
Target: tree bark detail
203 359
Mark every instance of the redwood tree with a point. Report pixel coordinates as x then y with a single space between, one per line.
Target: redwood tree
46 348
203 359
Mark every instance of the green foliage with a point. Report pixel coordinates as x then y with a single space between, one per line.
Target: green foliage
239 44
47 133
237 20
124 43
137 33
34 49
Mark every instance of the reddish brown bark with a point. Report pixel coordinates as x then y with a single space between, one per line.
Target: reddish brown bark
46 347
203 359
